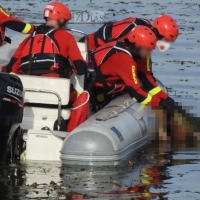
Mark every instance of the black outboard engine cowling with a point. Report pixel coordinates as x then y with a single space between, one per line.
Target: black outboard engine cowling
11 109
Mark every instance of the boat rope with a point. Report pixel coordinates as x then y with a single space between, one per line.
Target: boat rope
119 109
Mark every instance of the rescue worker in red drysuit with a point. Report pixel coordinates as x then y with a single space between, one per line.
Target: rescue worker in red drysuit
166 31
7 21
164 27
53 52
116 67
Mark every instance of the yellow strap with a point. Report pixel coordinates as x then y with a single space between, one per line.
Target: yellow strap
146 194
26 29
155 90
147 100
141 107
145 175
100 97
78 94
144 181
12 73
4 12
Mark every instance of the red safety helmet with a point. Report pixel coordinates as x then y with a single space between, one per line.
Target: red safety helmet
143 36
166 27
57 10
2 34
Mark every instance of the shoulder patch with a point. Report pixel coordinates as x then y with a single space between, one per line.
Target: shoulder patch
148 64
134 75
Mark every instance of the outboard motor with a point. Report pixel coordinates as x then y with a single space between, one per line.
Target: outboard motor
11 109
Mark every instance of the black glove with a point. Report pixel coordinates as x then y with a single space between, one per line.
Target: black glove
171 106
168 103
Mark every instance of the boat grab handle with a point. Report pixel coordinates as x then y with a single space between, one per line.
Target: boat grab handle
49 92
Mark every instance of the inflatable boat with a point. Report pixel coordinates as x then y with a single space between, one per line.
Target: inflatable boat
109 136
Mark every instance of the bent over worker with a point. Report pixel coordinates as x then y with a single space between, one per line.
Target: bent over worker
165 29
117 69
50 50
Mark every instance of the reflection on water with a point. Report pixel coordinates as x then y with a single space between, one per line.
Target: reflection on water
149 176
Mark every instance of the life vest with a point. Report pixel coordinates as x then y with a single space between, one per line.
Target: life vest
100 55
114 31
41 55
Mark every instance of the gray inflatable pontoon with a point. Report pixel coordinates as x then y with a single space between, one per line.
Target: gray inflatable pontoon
110 136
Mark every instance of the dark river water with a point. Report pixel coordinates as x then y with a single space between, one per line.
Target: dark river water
147 176
152 174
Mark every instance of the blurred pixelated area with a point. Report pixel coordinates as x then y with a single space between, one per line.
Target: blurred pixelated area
178 130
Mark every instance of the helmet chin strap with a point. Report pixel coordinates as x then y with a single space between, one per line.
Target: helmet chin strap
136 53
133 50
61 24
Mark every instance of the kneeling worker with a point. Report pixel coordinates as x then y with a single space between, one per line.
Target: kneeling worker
117 70
51 51
164 27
